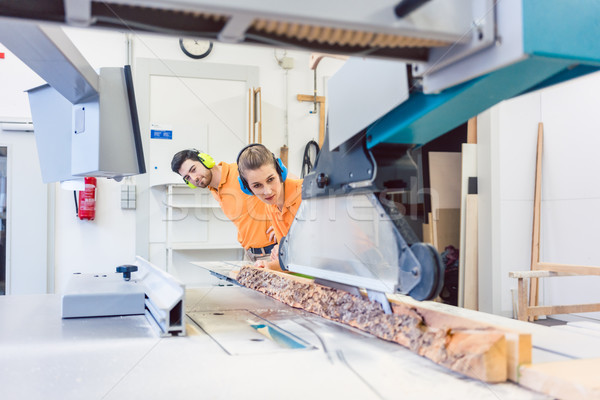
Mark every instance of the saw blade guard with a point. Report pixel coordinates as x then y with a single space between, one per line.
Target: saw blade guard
353 240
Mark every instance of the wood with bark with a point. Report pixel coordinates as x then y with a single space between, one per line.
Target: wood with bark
478 353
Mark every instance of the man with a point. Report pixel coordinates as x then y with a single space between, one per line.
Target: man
247 212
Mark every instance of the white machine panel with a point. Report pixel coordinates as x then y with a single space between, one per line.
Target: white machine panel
100 295
355 104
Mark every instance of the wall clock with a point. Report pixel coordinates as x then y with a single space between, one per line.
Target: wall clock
195 48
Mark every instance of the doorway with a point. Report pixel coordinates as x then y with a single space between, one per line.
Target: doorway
3 167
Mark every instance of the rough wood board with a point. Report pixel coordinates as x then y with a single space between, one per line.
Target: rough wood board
444 177
572 379
479 353
537 200
444 316
446 228
471 273
469 169
472 130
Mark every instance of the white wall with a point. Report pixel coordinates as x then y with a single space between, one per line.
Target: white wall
570 204
110 240
278 92
27 197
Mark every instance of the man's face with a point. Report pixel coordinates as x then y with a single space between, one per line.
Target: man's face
195 173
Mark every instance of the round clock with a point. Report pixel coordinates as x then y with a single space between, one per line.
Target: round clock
195 48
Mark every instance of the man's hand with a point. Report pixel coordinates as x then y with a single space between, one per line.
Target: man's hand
271 233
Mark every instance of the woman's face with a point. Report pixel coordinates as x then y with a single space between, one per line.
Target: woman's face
264 182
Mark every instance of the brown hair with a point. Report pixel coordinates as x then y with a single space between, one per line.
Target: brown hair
255 156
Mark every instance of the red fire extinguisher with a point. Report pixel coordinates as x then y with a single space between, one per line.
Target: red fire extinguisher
87 200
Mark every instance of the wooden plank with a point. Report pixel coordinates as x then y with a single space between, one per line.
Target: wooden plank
469 169
430 230
321 123
447 228
522 313
427 235
535 274
321 101
471 273
569 269
472 130
444 316
565 309
572 379
310 97
537 199
444 172
477 353
283 154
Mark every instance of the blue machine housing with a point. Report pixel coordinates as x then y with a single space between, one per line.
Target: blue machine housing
559 43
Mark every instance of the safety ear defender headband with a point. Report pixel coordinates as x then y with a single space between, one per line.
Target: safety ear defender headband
205 160
279 167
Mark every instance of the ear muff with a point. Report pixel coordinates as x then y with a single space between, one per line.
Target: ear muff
282 169
244 186
205 160
189 184
279 167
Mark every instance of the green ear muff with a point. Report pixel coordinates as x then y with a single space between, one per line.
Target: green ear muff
206 160
189 184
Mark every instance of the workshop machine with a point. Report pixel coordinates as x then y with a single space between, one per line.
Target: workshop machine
133 289
430 66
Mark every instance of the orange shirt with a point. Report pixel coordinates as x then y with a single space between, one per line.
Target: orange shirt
248 213
282 220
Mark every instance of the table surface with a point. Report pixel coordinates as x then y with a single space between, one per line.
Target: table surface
240 344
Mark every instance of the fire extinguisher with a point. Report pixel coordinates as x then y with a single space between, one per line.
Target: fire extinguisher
87 200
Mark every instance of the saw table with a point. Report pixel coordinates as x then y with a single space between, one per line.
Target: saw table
239 344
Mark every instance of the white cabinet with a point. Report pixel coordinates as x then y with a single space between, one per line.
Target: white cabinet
195 222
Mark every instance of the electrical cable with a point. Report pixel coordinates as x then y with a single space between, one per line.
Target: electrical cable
308 162
76 206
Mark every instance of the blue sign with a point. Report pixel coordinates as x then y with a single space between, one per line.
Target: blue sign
161 134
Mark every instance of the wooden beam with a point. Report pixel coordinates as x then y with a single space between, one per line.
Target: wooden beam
477 353
321 101
570 379
472 130
443 316
527 312
310 98
569 269
471 292
537 200
566 309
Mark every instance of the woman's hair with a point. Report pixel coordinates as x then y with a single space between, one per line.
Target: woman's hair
254 157
183 156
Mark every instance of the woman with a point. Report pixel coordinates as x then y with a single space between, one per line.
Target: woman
263 175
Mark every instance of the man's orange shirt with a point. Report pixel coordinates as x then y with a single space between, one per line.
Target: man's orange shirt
282 220
248 213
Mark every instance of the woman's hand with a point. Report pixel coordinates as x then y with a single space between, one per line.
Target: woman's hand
275 253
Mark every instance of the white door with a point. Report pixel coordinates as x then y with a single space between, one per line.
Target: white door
189 106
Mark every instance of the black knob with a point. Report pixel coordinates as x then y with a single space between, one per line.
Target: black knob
126 270
322 180
405 7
